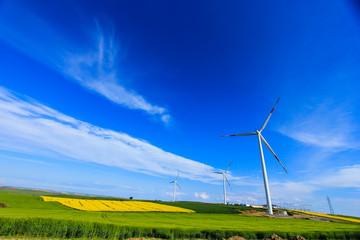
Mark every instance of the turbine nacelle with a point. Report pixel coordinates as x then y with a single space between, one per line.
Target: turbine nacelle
258 132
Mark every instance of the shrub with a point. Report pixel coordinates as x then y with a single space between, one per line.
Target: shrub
3 204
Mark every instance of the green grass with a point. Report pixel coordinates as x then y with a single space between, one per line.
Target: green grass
210 208
24 191
50 228
28 212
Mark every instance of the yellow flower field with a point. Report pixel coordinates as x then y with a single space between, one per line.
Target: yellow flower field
329 216
114 206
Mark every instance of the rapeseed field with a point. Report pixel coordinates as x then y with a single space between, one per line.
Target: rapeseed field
329 216
115 206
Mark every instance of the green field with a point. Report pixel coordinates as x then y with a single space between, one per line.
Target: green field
28 215
25 191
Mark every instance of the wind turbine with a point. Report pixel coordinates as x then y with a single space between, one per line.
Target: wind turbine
224 177
261 138
175 184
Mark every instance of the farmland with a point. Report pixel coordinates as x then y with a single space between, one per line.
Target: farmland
29 215
114 206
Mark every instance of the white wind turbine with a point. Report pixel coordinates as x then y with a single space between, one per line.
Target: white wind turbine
175 184
224 177
261 138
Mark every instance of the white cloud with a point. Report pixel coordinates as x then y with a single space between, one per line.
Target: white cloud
27 159
166 118
32 128
202 195
177 193
97 71
93 65
301 192
250 197
292 191
328 125
346 177
246 181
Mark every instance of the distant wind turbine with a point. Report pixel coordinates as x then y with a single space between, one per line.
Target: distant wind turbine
261 138
175 184
224 177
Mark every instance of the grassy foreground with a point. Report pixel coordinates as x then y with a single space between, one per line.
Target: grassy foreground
29 216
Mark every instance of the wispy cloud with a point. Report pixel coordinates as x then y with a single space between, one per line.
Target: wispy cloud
96 66
97 71
346 177
250 197
328 125
292 191
246 181
27 159
29 127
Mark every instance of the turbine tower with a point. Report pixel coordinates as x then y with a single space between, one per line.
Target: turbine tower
175 184
261 138
330 206
224 177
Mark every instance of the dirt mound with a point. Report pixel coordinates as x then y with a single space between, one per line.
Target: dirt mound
274 237
236 238
297 237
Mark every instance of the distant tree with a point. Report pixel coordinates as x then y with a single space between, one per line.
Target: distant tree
131 198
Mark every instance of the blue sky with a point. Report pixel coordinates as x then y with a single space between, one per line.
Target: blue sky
114 98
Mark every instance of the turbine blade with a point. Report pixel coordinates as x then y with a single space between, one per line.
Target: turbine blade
227 181
229 166
241 134
272 151
218 172
179 186
266 121
177 176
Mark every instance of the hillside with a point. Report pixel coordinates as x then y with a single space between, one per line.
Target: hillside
29 215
